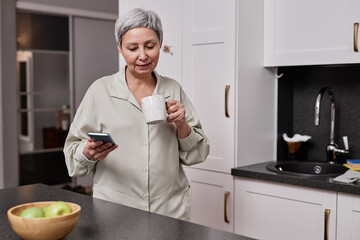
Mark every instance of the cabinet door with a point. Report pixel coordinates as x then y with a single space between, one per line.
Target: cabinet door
170 14
266 210
303 32
348 217
208 67
355 56
211 198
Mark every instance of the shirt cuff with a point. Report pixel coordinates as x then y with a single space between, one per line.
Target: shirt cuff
80 157
188 143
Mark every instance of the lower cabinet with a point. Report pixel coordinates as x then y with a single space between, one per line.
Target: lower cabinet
267 210
211 198
348 217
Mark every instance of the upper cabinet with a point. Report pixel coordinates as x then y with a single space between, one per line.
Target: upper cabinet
308 32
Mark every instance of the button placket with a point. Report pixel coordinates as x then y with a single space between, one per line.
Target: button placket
145 168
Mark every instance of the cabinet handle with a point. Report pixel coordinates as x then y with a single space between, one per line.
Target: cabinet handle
327 214
356 29
227 87
226 196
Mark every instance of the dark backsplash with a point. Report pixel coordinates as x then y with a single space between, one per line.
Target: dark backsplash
297 92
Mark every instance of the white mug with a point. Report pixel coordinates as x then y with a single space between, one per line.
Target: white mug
154 109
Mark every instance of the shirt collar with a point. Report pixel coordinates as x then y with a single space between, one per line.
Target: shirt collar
119 88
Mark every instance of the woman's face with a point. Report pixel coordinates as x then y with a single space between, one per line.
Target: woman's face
141 49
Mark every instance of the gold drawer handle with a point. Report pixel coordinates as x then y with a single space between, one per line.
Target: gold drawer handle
226 196
227 87
327 214
356 30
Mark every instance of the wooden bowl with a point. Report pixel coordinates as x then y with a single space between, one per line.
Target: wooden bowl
43 228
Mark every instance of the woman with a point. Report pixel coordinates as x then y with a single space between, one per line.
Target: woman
144 169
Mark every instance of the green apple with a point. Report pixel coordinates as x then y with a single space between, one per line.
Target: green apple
44 208
32 212
57 209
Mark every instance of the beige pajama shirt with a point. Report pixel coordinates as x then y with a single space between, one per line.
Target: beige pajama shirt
145 171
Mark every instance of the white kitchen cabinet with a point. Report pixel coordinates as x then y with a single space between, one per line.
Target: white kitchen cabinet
209 68
308 32
211 198
348 217
267 210
222 46
355 54
209 73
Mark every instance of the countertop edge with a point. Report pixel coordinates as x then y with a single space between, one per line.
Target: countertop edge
259 171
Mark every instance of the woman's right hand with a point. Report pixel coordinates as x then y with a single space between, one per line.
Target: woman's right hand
97 151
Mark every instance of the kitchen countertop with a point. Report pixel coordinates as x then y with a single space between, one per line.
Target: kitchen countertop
259 171
105 220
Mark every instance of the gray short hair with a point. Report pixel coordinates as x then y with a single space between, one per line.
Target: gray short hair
137 18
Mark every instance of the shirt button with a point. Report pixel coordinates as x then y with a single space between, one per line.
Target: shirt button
145 169
145 196
145 143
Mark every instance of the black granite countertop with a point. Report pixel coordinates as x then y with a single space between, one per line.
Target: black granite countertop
259 171
105 220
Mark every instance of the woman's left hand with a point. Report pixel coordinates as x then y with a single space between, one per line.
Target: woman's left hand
176 111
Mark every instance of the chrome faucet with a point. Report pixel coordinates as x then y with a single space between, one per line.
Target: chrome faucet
332 149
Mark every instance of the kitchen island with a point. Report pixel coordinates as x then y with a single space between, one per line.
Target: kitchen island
105 220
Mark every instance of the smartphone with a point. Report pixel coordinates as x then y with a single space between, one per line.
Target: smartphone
104 137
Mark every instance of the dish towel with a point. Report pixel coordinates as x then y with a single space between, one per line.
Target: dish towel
349 176
296 138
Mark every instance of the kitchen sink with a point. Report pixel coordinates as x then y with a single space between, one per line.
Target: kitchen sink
307 169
